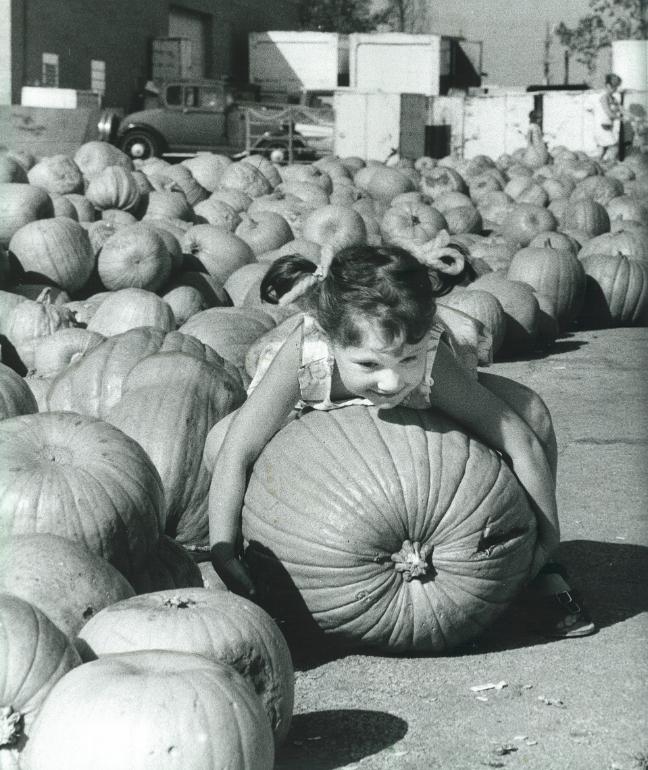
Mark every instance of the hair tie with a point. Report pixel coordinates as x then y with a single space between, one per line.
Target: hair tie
299 289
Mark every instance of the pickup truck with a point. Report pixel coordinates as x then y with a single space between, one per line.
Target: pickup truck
192 116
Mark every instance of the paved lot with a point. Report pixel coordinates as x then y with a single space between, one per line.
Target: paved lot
578 704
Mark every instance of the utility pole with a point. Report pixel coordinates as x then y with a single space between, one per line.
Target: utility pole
566 80
546 68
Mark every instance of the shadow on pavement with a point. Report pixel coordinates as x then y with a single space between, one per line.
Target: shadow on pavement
610 578
323 740
565 344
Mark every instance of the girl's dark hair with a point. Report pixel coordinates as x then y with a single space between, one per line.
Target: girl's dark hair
385 285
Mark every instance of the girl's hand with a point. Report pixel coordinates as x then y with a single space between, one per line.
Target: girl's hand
232 571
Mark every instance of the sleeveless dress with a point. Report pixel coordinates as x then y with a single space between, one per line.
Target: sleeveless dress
317 362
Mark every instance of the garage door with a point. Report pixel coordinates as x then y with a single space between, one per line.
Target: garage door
194 27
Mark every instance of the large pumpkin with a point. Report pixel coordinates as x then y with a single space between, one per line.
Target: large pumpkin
57 174
114 188
393 530
151 709
57 248
19 205
616 290
135 256
81 478
93 384
169 403
34 655
63 579
217 624
553 272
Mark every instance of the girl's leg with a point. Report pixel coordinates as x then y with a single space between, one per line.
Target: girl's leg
550 604
530 407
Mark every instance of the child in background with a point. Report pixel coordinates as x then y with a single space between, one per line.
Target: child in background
607 119
369 336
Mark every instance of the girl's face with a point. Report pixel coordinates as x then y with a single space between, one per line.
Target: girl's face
384 374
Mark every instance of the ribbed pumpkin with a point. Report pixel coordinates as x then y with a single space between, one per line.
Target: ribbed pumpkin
599 188
19 205
442 179
220 625
525 221
229 330
93 157
411 222
93 385
553 272
169 403
483 306
463 219
58 248
190 713
616 292
587 215
168 203
625 207
182 178
630 243
215 251
217 213
391 530
61 348
57 174
520 308
134 257
81 478
60 577
130 308
15 396
246 178
34 655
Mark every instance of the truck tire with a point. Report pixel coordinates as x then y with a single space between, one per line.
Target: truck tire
140 144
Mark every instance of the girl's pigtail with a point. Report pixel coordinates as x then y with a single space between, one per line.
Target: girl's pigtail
287 279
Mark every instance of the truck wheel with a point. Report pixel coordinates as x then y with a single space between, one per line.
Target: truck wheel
140 144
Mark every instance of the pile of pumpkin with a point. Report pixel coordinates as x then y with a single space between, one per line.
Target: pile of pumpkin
130 324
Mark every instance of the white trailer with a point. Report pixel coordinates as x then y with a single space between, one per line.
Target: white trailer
395 62
293 62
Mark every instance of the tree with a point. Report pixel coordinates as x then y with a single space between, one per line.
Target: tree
344 16
609 20
404 15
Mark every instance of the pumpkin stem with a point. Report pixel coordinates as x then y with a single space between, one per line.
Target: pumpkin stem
412 559
11 723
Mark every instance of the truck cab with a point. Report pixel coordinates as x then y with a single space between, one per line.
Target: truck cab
190 116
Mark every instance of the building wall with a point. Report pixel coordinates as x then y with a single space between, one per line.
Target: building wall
82 30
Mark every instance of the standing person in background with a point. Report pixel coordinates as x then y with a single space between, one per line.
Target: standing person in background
607 119
536 154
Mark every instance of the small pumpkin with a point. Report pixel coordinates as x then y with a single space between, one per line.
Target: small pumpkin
587 215
62 578
220 625
136 256
58 248
34 655
218 720
57 174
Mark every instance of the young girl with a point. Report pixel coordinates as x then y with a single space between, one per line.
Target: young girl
369 336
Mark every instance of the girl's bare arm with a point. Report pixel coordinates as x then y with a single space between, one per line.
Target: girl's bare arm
494 422
258 419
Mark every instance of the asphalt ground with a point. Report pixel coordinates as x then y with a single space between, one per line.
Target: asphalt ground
575 704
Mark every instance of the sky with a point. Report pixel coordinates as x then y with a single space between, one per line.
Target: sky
513 35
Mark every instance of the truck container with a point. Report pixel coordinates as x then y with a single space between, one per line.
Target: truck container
286 62
375 125
396 62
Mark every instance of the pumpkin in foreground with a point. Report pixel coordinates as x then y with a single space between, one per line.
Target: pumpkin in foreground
34 655
391 529
220 625
151 710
